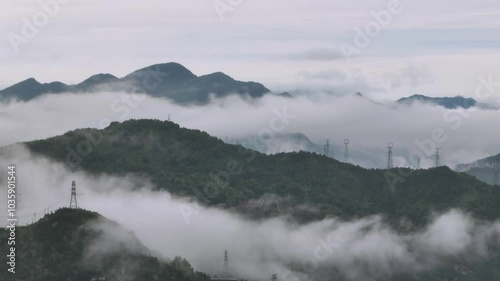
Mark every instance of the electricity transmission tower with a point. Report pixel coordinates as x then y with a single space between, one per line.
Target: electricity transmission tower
73 203
390 162
437 158
327 148
346 151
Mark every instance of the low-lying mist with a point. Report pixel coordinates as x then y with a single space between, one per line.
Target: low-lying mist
365 249
415 130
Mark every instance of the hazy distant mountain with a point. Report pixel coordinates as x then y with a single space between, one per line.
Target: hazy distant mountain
30 88
446 102
361 96
286 95
295 142
483 169
489 161
280 142
169 80
93 82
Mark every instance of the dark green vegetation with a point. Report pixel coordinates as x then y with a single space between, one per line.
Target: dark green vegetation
169 80
304 185
192 163
79 245
446 102
487 169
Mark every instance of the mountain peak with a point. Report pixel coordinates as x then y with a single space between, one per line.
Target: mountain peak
24 90
170 70
285 95
166 80
69 216
219 74
446 102
98 78
30 80
94 81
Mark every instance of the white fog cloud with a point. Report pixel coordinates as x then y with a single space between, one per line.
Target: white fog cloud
414 130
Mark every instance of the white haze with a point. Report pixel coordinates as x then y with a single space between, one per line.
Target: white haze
256 249
369 126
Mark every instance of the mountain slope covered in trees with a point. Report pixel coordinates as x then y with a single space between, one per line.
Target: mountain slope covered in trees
192 163
78 245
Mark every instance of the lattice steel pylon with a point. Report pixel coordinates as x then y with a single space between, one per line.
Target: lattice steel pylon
346 151
390 161
437 158
73 204
326 148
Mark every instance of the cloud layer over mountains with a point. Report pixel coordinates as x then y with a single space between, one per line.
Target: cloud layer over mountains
416 130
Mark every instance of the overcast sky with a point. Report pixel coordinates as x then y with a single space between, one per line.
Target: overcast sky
428 47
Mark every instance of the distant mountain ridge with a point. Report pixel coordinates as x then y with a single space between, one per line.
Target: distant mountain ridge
168 80
485 169
446 102
488 161
177 83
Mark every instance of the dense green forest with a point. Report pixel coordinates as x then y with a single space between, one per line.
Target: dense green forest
57 247
192 163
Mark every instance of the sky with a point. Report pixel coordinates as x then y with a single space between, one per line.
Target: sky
435 48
